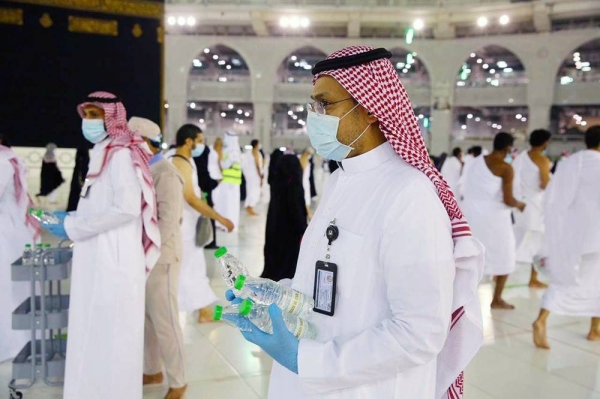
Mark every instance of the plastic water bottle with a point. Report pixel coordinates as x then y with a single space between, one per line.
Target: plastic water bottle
231 315
260 317
44 217
27 259
49 256
230 266
266 292
38 254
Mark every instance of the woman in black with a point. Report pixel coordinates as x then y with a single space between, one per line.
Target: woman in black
51 178
286 219
82 161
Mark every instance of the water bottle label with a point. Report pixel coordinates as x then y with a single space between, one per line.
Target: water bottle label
300 327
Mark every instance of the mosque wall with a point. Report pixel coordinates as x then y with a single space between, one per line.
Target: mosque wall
53 55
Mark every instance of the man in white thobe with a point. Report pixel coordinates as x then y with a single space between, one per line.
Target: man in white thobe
227 195
452 169
252 166
195 292
487 205
18 229
532 175
406 319
572 241
117 243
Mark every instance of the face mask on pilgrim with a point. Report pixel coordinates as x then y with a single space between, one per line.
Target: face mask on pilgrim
322 132
198 150
93 130
508 158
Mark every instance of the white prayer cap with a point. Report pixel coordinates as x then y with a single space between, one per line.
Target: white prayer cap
145 127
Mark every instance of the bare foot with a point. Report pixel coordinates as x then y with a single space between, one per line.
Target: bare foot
594 336
537 284
251 212
205 315
501 305
539 335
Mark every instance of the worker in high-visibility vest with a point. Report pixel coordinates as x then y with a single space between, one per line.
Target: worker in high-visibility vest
227 195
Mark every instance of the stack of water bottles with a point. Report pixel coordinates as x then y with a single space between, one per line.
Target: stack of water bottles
257 295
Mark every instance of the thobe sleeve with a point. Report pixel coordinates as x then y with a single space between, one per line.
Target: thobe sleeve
6 176
126 202
416 257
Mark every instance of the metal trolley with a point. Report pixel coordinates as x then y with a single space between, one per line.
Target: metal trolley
46 311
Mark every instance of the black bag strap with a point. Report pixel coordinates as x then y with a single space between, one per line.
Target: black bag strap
182 157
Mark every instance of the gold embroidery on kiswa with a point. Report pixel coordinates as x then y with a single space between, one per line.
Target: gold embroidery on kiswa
137 31
138 8
11 16
93 26
46 20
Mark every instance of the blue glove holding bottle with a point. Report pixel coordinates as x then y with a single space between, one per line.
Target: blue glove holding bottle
58 229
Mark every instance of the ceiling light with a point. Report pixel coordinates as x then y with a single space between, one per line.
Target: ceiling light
222 79
192 105
215 57
492 70
485 66
294 22
473 55
495 82
498 126
304 22
241 122
583 123
488 80
171 20
418 24
294 117
508 70
504 20
206 50
181 21
460 83
223 114
482 22
230 106
247 114
290 112
479 60
523 119
565 80
494 126
221 62
586 69
518 116
470 116
293 58
404 70
576 55
501 64
191 21
284 22
478 119
166 106
511 100
291 79
585 64
228 67
421 116
307 66
239 111
464 127
400 65
197 63
296 64
200 120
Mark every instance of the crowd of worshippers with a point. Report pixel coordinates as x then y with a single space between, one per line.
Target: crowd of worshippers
531 211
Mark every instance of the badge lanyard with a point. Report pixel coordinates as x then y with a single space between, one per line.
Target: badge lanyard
326 276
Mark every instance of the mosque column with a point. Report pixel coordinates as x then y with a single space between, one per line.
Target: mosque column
263 122
177 116
441 118
539 116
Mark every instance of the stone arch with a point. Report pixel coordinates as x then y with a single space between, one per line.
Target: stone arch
492 65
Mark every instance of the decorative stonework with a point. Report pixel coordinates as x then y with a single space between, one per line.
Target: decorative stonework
93 26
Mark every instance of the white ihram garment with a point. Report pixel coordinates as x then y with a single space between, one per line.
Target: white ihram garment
105 349
451 170
194 285
306 184
529 225
14 234
572 242
395 286
489 218
226 196
253 179
214 169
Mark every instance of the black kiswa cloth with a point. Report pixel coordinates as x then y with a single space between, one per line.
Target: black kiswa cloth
351 60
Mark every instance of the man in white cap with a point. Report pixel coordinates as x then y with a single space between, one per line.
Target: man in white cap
163 334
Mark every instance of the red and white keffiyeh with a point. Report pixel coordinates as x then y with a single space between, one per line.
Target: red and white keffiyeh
376 86
115 121
22 196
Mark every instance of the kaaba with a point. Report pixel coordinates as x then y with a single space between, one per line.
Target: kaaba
55 52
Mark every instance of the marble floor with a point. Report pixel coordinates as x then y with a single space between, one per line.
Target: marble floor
221 364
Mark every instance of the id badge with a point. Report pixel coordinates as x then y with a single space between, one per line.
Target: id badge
325 288
85 189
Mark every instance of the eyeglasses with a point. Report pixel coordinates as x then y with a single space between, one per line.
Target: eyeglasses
320 107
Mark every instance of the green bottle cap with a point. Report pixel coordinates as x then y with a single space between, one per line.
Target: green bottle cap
246 307
218 314
47 245
239 282
39 213
220 252
28 246
31 211
39 246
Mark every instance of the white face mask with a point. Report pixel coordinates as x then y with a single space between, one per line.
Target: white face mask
322 132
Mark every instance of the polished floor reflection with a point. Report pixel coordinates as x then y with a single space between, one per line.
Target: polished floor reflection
221 364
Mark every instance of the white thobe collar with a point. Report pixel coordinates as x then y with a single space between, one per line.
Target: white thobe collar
369 160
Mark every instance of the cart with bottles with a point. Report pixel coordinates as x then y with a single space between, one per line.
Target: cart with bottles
44 314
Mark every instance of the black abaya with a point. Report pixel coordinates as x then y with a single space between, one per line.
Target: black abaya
286 219
82 161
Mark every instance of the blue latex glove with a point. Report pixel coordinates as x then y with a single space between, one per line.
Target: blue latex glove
230 296
282 345
61 215
58 230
